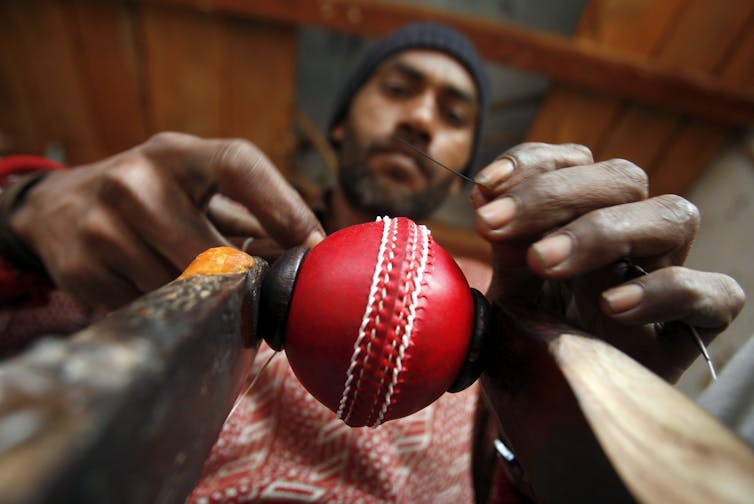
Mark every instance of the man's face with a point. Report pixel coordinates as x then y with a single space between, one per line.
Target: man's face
422 96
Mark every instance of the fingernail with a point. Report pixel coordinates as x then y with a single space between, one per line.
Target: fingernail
476 198
553 250
498 212
314 238
623 298
495 173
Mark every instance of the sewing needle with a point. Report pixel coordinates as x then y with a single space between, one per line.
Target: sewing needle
636 271
427 156
251 385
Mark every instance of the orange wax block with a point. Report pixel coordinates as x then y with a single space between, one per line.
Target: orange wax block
218 260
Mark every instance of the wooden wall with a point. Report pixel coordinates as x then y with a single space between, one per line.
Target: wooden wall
96 77
661 83
714 39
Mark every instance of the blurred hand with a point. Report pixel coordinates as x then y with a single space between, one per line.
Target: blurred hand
110 231
566 232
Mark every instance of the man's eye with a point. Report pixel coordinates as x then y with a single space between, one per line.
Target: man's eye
456 118
395 88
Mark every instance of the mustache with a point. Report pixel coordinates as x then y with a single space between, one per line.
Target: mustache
397 143
441 165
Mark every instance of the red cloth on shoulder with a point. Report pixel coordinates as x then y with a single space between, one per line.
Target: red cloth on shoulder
20 165
30 306
16 284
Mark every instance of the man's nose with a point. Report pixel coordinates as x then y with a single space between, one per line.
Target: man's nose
419 119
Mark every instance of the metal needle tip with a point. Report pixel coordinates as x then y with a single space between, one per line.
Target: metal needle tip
451 170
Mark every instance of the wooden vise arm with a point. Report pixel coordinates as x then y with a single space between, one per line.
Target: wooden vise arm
590 424
128 409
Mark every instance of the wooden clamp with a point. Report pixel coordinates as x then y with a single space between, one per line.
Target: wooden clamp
128 409
590 424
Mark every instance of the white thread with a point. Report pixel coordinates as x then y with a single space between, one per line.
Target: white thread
410 274
406 290
407 333
377 321
365 318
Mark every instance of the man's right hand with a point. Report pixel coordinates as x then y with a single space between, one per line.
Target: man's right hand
567 236
110 231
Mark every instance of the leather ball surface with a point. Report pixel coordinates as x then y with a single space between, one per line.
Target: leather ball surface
380 321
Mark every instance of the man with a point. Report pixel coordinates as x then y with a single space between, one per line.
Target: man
424 85
558 222
407 94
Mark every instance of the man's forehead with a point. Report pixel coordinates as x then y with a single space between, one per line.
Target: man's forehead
431 64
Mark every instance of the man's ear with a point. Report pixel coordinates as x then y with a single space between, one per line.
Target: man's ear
338 132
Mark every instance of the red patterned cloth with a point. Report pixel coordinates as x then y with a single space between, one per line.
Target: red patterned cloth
280 444
21 323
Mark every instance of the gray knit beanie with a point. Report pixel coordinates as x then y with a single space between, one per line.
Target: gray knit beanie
425 35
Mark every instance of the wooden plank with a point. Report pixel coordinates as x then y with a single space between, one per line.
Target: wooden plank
260 74
110 72
583 419
651 138
704 34
727 32
44 58
687 155
700 39
183 52
128 409
616 23
210 75
640 134
18 129
569 115
739 67
564 60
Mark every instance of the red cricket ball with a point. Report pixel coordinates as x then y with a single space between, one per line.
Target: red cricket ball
380 321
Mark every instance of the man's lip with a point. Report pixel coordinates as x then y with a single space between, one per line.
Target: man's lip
401 159
405 151
400 166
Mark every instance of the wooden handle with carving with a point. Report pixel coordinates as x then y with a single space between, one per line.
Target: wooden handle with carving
588 423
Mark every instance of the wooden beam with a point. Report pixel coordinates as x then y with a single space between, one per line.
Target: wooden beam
111 74
128 409
576 62
46 73
204 76
590 424
718 39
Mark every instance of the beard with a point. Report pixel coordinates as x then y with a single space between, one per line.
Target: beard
371 193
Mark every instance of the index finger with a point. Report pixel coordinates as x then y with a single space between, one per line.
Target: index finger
524 161
239 170
245 174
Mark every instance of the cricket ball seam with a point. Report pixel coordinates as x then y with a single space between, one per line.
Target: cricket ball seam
406 266
373 291
417 275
